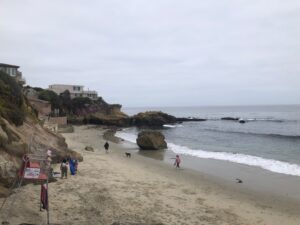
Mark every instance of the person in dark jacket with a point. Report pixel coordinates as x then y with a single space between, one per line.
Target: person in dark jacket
106 146
64 169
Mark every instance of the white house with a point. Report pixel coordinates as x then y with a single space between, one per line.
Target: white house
75 91
13 71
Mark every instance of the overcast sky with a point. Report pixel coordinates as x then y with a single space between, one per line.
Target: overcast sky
160 52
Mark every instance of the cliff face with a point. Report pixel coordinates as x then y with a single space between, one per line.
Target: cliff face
99 112
81 110
21 133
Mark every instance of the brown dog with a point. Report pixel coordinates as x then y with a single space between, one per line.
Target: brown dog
128 155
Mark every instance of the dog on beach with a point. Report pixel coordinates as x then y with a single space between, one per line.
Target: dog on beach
128 155
239 180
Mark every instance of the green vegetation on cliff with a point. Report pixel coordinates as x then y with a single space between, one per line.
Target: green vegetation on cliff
63 102
51 97
11 100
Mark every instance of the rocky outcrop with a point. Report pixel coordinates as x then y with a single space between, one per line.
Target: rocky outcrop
152 119
151 140
100 119
189 119
230 118
101 113
82 110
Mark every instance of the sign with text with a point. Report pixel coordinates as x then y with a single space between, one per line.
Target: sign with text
32 173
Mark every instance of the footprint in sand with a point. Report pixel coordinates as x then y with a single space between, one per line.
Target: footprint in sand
188 192
200 201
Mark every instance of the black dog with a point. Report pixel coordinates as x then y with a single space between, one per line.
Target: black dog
239 180
128 154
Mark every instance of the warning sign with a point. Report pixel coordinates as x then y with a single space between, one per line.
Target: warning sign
32 173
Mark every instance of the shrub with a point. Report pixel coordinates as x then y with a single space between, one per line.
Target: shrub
80 102
51 97
11 99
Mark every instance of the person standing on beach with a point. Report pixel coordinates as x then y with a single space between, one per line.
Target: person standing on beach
177 161
64 169
106 146
72 166
76 165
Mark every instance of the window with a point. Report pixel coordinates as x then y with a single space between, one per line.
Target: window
14 71
76 88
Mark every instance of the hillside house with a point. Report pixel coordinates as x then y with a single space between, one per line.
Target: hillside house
13 71
75 91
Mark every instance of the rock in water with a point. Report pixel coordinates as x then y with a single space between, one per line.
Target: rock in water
151 140
152 119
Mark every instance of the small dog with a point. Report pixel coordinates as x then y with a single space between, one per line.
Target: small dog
239 181
128 154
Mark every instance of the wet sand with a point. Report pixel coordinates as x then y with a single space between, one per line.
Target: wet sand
111 188
280 187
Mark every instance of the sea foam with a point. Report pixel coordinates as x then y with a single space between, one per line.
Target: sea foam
172 126
126 136
267 164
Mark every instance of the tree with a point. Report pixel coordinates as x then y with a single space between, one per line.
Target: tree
66 100
51 97
79 103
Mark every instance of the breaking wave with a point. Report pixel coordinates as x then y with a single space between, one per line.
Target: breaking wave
253 133
267 164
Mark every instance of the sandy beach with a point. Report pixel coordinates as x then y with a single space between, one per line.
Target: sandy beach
113 189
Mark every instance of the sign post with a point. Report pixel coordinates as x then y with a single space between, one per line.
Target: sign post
37 168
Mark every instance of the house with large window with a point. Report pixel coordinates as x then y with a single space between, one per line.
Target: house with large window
13 71
75 91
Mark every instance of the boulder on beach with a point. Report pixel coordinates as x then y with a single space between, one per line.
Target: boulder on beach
89 148
151 140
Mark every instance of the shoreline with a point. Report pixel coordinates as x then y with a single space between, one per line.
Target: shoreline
113 189
255 178
270 188
260 186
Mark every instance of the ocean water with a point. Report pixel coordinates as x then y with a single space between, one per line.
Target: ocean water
270 138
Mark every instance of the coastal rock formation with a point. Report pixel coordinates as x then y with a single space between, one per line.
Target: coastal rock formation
152 119
101 113
81 110
151 140
189 119
230 118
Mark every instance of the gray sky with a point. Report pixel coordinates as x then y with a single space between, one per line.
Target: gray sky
160 52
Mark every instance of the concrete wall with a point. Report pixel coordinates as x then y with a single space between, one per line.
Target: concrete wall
58 120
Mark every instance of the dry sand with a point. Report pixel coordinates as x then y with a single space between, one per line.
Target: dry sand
110 188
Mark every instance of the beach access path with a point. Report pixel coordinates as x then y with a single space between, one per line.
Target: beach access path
113 189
